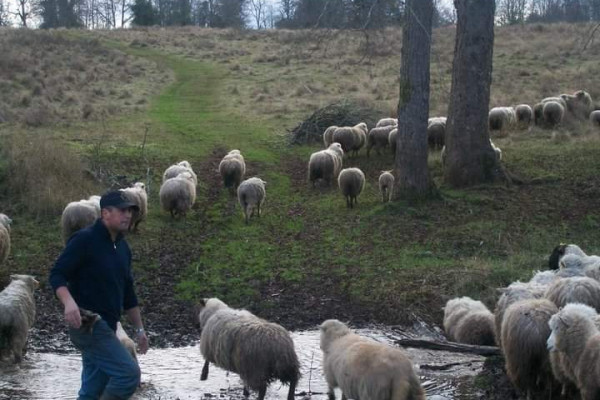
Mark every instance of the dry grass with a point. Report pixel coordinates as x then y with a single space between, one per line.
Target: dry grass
47 77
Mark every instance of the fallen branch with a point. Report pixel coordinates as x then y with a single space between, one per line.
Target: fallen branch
485 351
443 367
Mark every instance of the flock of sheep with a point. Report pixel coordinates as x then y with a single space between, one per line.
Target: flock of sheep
548 328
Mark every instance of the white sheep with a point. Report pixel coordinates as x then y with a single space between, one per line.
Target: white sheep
387 122
553 113
587 265
328 135
579 104
232 169
126 341
469 321
386 185
575 340
524 334
352 138
78 215
138 196
325 164
378 137
595 118
351 182
436 132
5 222
364 369
251 195
502 118
524 116
178 195
17 315
240 342
176 169
575 290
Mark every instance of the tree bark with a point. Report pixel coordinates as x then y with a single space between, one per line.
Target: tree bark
411 170
470 159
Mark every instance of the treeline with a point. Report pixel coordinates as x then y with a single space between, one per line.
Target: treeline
260 14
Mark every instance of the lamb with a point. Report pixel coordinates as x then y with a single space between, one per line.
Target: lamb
502 118
468 321
364 369
579 104
4 237
328 135
138 196
238 341
232 169
325 164
17 314
576 339
178 195
251 195
575 290
78 215
378 138
386 185
524 115
595 118
436 132
351 182
351 138
126 341
387 122
176 169
393 136
553 113
524 334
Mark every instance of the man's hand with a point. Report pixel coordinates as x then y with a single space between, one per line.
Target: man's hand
72 316
142 341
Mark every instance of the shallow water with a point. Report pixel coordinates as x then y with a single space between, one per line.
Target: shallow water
174 373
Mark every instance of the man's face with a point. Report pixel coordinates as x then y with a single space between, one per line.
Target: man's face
117 219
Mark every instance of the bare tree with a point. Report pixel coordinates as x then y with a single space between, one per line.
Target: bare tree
470 158
25 10
412 173
258 11
511 11
4 13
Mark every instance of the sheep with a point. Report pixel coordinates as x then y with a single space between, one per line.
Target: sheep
436 132
575 290
240 342
328 135
595 118
78 215
393 136
543 278
515 292
524 115
501 118
251 194
386 185
579 104
538 114
176 169
378 138
126 341
138 196
351 182
588 265
364 369
576 340
553 113
561 250
468 321
325 164
178 195
524 334
5 222
387 122
351 138
17 315
232 169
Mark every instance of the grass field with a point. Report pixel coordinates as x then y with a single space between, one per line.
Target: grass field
308 257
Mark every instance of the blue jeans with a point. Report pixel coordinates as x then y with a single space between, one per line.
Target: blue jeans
108 368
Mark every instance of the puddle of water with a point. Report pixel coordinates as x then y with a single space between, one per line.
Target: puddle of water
175 373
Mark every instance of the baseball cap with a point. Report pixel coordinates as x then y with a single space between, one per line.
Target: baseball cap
116 199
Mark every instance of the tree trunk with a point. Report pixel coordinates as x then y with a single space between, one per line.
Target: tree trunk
412 173
469 157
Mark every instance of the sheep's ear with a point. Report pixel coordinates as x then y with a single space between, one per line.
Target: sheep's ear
36 282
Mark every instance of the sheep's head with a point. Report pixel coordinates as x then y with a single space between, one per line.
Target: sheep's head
234 151
140 185
29 280
571 320
5 221
184 164
331 330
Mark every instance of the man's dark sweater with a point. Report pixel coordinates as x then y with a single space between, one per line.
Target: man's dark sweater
97 272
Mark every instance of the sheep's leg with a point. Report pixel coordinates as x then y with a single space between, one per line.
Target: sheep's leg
204 374
348 203
262 391
246 392
292 391
344 396
258 210
330 394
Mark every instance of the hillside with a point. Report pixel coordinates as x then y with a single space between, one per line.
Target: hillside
202 92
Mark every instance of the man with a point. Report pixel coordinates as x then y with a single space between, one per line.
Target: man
94 273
